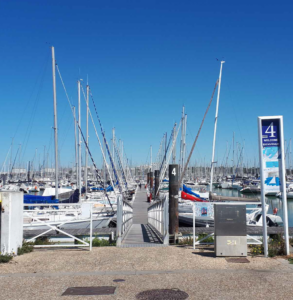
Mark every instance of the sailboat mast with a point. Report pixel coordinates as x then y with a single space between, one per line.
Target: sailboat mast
184 141
151 164
113 142
290 158
181 142
79 138
233 171
55 122
174 148
215 128
87 135
76 150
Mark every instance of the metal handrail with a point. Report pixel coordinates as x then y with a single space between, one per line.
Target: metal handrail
158 218
124 219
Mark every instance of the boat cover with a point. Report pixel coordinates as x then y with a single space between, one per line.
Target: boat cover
30 199
187 196
189 191
97 189
109 188
74 198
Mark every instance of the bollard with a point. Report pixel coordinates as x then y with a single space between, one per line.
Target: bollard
148 182
157 183
151 184
173 201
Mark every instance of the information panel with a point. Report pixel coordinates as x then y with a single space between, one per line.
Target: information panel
204 209
271 155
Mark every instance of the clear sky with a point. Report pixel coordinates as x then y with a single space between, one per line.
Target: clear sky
144 61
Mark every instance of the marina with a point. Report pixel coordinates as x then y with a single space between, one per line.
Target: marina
146 150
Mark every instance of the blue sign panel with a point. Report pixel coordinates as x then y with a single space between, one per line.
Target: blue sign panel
271 133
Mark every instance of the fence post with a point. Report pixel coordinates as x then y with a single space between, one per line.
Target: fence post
157 183
151 185
173 201
119 221
91 228
166 220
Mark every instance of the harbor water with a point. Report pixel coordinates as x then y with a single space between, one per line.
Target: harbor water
273 202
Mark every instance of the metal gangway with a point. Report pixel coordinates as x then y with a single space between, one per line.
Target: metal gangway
141 224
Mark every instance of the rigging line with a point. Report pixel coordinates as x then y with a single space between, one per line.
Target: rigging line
5 159
96 169
167 149
29 129
226 154
146 161
106 144
127 165
158 154
97 173
192 136
169 156
13 163
30 97
194 143
57 67
121 167
103 154
67 97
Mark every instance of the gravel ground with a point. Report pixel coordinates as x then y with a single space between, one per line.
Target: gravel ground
46 274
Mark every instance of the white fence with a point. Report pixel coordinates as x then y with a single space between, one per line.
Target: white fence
54 213
158 218
124 219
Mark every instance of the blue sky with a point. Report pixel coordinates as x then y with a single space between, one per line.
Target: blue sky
144 60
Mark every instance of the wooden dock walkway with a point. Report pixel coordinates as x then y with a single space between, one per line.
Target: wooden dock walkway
140 233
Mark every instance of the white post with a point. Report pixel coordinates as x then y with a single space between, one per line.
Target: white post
87 135
55 122
91 228
215 128
193 211
79 140
263 192
283 188
76 150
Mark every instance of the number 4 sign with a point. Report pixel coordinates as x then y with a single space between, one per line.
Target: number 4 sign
270 130
272 168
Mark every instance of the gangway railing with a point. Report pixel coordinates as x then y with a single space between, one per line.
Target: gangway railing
124 219
158 219
38 216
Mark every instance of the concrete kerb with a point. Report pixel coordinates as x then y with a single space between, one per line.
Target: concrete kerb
145 272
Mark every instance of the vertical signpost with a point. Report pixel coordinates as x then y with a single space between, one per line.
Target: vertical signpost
272 169
173 201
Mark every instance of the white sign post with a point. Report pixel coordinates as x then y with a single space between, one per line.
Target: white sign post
272 169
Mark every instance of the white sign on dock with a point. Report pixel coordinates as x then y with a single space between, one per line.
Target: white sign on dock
272 168
204 209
